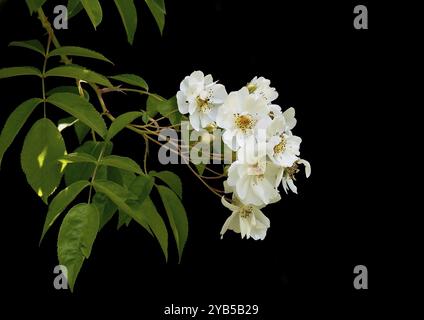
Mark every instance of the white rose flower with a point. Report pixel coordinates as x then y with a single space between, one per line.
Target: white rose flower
287 175
284 149
200 97
247 220
260 87
254 182
242 116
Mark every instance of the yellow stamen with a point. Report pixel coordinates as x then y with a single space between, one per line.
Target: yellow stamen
244 122
281 147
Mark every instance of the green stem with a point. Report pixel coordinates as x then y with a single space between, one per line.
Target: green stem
93 176
146 141
43 75
48 27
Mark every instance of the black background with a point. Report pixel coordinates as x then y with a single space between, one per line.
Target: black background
331 73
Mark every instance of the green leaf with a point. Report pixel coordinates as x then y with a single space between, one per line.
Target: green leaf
83 171
78 52
81 130
105 207
78 157
141 186
156 223
119 195
80 109
19 71
76 237
128 13
167 108
33 45
200 168
43 146
121 122
131 79
121 163
94 11
161 5
152 106
79 73
14 124
157 12
68 89
177 216
60 202
74 7
123 219
171 179
34 5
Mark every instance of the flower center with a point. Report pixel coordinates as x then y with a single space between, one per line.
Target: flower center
281 147
245 212
203 105
291 171
251 87
244 122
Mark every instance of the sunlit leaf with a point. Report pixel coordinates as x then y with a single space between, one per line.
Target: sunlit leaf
43 146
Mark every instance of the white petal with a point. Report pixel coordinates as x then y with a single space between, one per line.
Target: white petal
228 223
292 185
242 187
208 79
204 119
219 94
287 159
229 205
182 102
243 227
228 138
291 121
195 121
261 217
307 167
